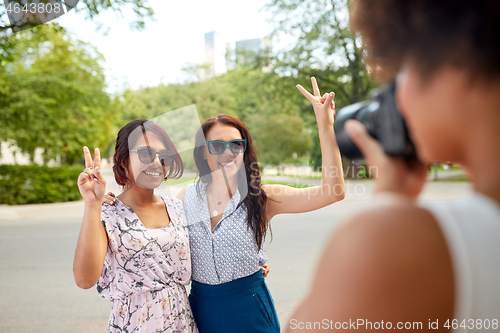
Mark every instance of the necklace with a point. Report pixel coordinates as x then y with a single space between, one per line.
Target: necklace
216 212
219 202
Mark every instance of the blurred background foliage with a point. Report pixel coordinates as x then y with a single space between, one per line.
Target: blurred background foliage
280 119
54 95
31 184
53 91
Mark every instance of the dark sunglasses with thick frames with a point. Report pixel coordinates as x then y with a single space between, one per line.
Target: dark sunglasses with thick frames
147 155
217 147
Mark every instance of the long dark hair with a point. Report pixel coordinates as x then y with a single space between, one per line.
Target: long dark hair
128 134
256 200
433 34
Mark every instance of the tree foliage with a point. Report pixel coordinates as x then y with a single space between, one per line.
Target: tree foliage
54 85
29 184
324 47
54 96
279 136
247 93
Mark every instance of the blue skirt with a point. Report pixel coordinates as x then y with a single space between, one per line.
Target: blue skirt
239 306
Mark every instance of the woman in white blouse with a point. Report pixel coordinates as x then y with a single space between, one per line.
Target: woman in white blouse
228 213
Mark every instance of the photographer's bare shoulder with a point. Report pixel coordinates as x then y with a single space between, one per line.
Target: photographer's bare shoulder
387 263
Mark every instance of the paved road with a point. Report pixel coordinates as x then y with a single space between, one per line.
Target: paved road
442 175
37 244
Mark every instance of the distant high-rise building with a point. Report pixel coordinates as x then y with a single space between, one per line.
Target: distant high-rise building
251 47
221 56
215 53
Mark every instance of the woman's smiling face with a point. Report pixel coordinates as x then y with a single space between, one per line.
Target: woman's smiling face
150 175
228 161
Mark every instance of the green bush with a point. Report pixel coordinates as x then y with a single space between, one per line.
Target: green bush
28 184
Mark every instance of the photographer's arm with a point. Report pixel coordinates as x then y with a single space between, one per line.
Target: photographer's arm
388 264
285 199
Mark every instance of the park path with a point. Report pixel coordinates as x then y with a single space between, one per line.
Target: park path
37 243
74 209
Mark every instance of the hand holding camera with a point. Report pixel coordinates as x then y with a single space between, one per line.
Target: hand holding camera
377 131
393 173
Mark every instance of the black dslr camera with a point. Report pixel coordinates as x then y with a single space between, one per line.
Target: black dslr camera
383 121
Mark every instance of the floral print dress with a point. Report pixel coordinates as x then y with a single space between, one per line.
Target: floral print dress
146 270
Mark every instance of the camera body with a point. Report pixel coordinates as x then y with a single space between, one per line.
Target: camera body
384 122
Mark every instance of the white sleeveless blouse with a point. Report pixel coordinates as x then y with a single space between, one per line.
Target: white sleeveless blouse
471 228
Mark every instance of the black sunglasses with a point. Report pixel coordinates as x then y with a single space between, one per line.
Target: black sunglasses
217 147
147 155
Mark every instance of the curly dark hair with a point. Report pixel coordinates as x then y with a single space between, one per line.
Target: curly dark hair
255 200
432 33
128 134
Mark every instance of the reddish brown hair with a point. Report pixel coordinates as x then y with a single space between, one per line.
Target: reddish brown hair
128 134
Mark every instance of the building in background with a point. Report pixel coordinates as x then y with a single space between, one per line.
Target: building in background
248 45
221 55
215 54
253 51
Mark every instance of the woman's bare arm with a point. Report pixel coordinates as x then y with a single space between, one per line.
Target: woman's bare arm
92 242
286 199
387 264
91 248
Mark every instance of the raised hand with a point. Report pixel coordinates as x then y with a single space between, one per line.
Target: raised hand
91 183
324 106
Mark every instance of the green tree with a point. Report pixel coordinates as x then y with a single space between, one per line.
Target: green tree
21 92
323 47
91 9
269 105
279 136
55 98
247 93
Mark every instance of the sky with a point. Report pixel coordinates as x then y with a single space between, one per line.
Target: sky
157 54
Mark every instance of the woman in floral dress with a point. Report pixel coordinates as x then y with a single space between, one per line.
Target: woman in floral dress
138 249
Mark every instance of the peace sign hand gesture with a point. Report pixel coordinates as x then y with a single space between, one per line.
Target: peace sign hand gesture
324 106
91 182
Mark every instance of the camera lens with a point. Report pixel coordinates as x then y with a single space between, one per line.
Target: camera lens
383 122
364 112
